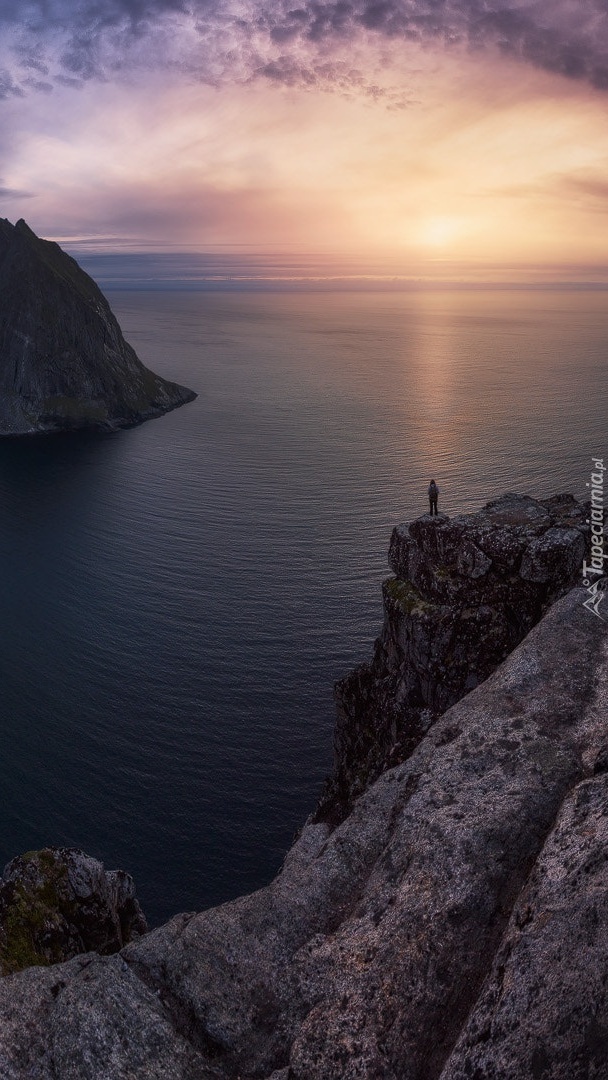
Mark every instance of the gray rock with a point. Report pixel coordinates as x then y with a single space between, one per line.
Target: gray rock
90 1019
59 902
503 546
64 363
107 1024
401 547
521 511
467 590
454 926
373 950
543 1009
471 561
390 989
558 553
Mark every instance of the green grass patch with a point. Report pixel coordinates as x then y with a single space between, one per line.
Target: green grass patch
31 912
409 599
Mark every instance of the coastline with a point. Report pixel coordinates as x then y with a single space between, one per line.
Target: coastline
380 946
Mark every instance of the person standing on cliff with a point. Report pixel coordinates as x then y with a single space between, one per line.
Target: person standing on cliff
433 496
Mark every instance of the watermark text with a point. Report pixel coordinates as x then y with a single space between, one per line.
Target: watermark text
596 568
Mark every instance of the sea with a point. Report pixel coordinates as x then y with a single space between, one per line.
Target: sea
179 598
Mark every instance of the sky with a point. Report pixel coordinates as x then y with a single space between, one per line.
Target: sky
412 135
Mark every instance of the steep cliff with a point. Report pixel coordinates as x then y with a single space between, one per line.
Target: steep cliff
466 591
64 363
454 926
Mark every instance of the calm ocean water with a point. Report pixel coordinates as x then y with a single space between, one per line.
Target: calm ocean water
179 598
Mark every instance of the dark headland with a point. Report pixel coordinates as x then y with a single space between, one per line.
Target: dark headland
442 916
64 363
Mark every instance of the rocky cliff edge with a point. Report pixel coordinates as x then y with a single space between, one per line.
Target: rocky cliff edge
454 926
64 363
465 591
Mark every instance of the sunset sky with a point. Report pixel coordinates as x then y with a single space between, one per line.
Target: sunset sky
410 132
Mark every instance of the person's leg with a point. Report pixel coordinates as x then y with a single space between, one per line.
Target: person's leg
431 506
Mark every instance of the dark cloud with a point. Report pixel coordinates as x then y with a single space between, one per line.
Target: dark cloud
331 75
40 85
8 86
586 188
287 40
12 193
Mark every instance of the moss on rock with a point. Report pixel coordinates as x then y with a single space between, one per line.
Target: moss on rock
407 596
58 902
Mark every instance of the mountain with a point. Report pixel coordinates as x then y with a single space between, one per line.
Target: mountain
64 363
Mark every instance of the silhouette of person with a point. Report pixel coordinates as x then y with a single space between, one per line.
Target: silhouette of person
433 496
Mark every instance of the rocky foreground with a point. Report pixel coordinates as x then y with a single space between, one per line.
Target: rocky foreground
454 924
466 590
64 363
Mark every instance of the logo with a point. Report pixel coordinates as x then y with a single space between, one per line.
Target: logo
597 565
594 600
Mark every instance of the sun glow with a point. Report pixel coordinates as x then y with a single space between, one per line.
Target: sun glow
498 163
440 232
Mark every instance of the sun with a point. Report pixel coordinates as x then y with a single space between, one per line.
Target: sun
440 232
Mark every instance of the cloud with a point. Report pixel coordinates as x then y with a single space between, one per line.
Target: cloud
288 41
8 86
13 193
585 188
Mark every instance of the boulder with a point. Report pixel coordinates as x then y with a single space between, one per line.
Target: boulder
557 554
59 902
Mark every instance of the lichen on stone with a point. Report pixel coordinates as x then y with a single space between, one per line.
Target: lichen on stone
408 597
58 902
